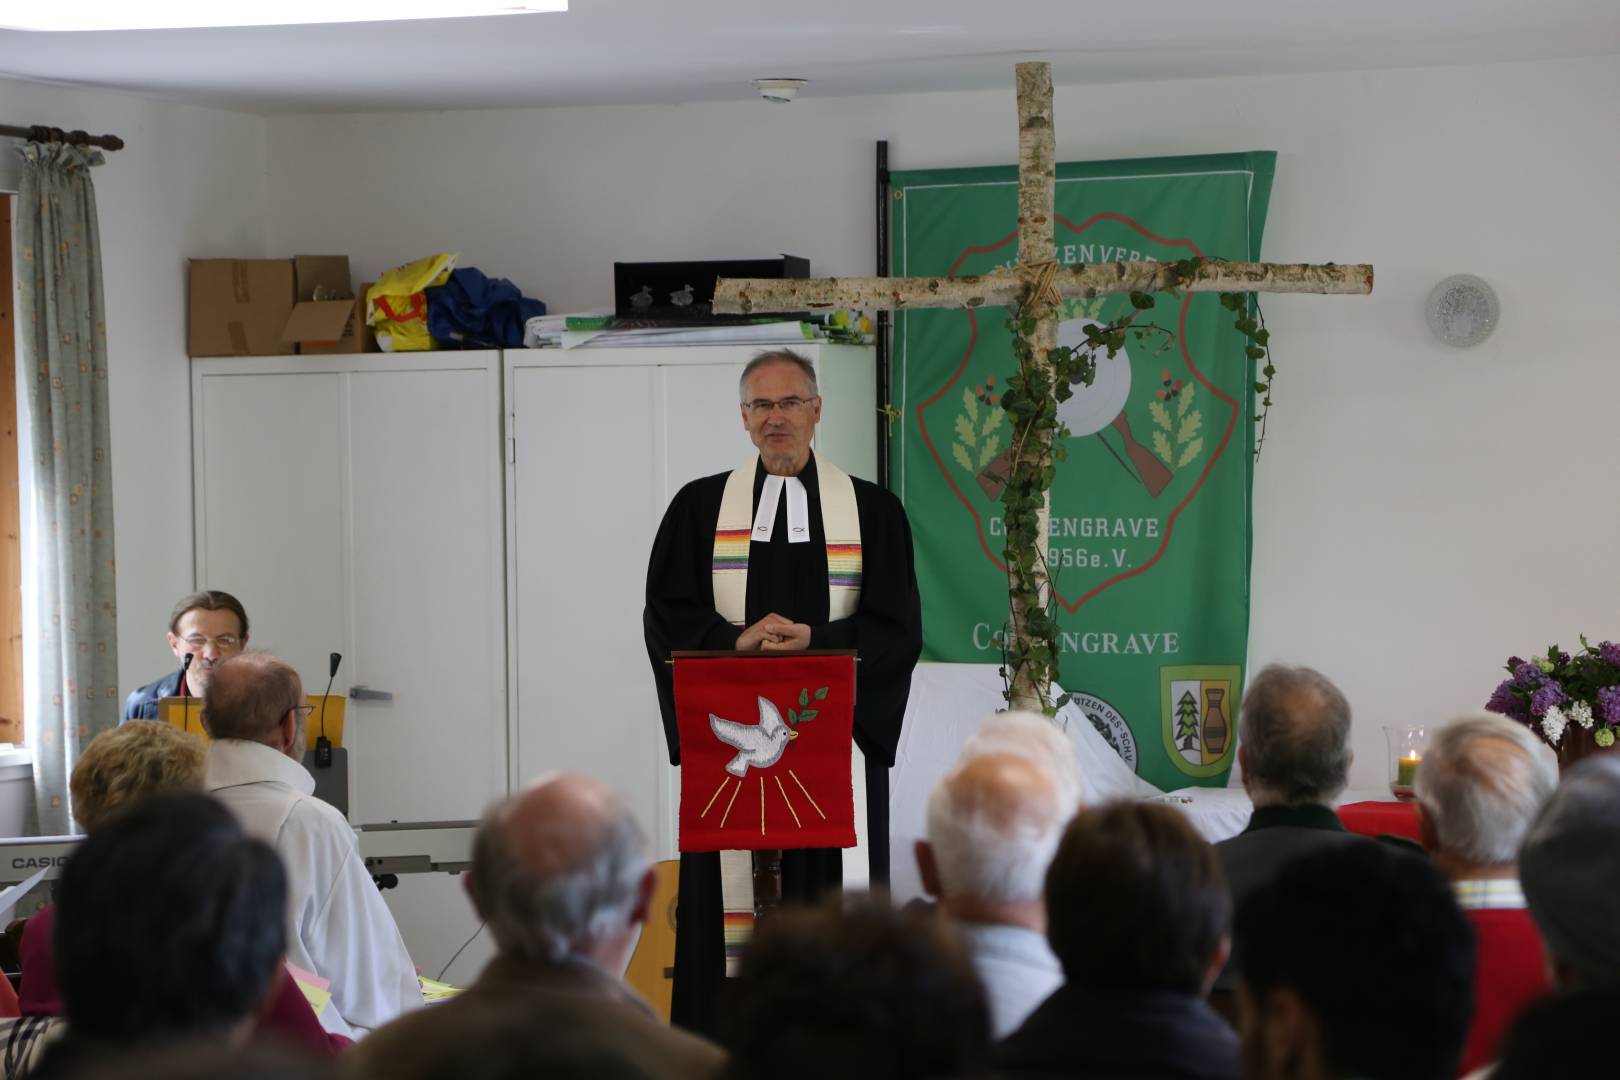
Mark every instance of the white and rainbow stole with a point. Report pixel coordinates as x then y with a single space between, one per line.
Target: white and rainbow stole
732 535
733 532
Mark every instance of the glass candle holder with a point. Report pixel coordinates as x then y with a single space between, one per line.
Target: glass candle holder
1406 748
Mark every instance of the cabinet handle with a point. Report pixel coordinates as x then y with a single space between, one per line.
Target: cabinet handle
366 693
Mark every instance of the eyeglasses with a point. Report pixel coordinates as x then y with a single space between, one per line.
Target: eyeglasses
303 711
224 643
760 408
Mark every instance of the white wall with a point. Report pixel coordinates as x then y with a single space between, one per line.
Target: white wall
190 182
1421 512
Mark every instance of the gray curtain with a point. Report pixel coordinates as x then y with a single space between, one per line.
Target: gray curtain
64 353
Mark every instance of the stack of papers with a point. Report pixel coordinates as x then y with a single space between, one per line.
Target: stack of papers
434 990
545 331
738 334
317 991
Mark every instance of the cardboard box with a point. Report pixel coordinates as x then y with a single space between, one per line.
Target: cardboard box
335 323
239 307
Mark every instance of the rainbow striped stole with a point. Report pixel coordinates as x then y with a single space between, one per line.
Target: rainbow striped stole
840 519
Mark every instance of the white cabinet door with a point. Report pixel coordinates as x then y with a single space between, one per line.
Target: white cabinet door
354 505
582 495
426 584
270 495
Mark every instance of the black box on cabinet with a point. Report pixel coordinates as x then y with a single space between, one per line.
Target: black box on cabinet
685 290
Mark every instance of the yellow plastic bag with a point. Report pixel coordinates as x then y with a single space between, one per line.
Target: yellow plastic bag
396 307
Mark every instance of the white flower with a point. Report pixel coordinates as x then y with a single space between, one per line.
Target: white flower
1553 723
1581 713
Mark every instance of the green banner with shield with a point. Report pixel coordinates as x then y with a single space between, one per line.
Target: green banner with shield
1151 514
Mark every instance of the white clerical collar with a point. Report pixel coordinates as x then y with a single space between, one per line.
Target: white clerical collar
798 509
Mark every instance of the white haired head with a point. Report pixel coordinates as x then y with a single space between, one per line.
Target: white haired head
1038 739
994 823
1481 784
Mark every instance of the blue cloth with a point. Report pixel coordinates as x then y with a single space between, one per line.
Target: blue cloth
143 703
471 311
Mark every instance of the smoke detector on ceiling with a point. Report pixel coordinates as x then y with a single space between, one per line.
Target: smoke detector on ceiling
779 91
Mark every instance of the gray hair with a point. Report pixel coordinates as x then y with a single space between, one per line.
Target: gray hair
248 695
994 846
1481 800
1294 728
1569 867
548 916
778 356
1038 739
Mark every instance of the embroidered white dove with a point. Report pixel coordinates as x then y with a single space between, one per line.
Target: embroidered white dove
759 745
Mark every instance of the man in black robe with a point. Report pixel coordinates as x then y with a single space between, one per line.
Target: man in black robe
787 609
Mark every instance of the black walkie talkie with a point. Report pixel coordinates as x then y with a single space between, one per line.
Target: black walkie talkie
323 745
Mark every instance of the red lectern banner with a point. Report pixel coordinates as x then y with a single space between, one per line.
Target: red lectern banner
765 759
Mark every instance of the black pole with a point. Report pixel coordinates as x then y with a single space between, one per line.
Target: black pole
883 379
42 134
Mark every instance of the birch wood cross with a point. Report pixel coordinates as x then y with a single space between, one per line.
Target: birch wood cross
1035 286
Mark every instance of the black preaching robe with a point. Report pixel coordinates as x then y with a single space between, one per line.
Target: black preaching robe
791 580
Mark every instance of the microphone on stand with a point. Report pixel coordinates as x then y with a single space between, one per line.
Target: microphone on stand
323 745
185 692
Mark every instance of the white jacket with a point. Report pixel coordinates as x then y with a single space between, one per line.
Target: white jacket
337 923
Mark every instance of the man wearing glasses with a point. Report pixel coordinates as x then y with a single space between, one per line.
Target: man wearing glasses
212 627
337 923
782 554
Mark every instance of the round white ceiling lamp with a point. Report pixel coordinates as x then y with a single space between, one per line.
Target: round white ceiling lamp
1462 310
779 91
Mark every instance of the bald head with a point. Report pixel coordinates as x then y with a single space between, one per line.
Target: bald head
249 697
993 824
556 824
559 869
1037 738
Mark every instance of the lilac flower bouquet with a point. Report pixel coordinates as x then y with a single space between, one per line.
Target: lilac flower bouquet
1549 694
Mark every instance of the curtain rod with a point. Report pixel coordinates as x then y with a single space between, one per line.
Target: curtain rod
39 133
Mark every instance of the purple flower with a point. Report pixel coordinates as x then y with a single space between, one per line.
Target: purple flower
1609 704
1505 701
1528 676
1515 662
1548 696
1609 653
1558 656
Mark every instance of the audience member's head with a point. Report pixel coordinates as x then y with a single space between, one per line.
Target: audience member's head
1569 867
1481 784
1293 738
561 870
524 1034
170 924
257 698
1037 738
1357 962
209 1060
1136 901
212 627
855 993
129 762
1561 1036
993 825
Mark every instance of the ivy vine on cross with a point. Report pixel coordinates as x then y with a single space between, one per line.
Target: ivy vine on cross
1033 291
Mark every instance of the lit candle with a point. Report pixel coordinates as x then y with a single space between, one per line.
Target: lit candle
1406 768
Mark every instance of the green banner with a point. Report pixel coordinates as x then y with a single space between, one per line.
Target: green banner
1150 531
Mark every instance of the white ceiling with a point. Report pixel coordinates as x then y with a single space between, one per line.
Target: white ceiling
642 51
